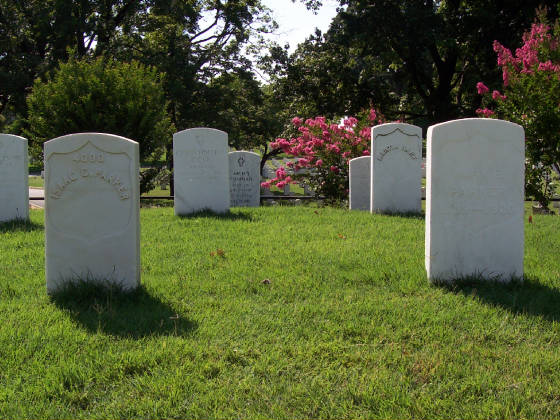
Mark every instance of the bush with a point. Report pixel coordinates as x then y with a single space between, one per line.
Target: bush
324 150
531 98
106 96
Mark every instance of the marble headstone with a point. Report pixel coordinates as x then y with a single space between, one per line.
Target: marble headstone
201 174
360 183
92 229
474 200
396 169
14 173
244 179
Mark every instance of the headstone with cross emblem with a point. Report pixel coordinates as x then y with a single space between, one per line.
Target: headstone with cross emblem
201 178
244 179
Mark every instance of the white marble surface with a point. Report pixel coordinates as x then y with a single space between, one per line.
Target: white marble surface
201 171
474 200
360 183
396 169
14 172
92 202
244 179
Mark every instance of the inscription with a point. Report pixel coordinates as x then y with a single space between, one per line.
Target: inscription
243 188
8 160
99 173
482 199
392 147
89 157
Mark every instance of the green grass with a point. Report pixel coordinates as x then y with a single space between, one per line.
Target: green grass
346 325
36 181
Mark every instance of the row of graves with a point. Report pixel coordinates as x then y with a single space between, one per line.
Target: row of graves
474 194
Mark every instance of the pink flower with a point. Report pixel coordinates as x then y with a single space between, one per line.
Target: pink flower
346 154
319 162
481 88
280 173
365 152
281 184
497 95
296 121
265 184
334 169
372 115
486 113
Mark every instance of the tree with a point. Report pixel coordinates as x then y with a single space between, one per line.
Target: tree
36 34
102 95
415 60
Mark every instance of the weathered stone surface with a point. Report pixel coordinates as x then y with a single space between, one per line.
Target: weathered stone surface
14 187
244 179
92 207
474 200
396 169
201 174
360 183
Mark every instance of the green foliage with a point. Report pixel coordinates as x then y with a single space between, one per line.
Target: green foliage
531 87
347 325
101 95
413 60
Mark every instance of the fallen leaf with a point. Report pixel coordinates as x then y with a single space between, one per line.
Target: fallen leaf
341 236
266 281
530 218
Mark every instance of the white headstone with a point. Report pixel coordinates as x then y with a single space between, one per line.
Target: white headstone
360 183
92 229
14 173
244 179
474 200
201 177
396 170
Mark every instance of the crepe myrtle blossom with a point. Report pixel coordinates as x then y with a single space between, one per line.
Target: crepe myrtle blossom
322 150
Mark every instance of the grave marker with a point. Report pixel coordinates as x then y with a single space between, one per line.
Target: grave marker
474 200
396 171
244 179
14 174
201 176
92 229
360 183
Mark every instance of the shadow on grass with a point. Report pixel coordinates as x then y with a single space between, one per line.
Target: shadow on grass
529 297
208 214
111 310
20 225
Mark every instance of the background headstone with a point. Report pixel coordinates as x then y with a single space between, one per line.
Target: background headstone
474 200
244 179
201 177
396 170
360 183
14 175
92 229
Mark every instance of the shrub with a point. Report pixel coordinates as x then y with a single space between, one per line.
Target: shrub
531 98
101 95
323 150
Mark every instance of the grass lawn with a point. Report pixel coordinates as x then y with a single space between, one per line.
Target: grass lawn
280 312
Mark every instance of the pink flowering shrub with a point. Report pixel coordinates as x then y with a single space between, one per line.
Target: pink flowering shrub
531 98
322 150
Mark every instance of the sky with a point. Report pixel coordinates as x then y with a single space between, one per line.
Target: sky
296 22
